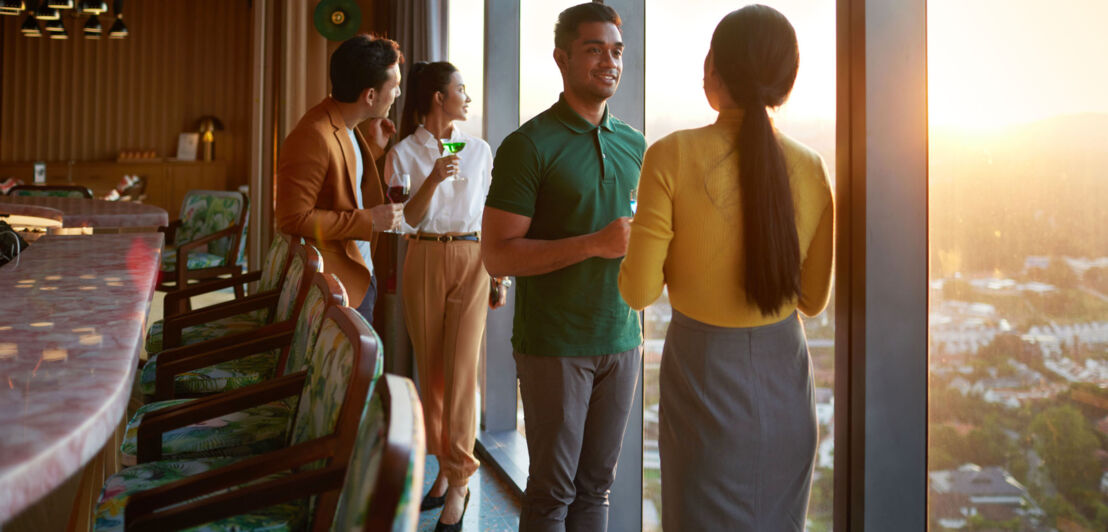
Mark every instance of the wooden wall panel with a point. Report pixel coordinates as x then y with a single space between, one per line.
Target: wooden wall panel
86 100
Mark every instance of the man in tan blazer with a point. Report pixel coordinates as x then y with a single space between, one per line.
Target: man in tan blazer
328 188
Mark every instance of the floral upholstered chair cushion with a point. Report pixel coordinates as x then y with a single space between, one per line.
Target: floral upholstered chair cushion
328 375
271 277
365 467
234 373
214 379
294 275
308 326
273 266
250 431
407 511
329 371
196 259
206 331
365 464
119 488
240 257
204 212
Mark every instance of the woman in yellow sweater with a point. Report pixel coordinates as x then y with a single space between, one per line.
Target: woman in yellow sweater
737 220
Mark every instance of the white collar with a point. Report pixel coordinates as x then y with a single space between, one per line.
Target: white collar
423 136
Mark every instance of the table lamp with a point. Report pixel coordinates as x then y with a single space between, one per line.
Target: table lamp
207 127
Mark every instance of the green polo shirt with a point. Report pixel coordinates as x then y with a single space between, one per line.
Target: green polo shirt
571 178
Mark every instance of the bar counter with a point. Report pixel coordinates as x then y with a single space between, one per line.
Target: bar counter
82 212
72 313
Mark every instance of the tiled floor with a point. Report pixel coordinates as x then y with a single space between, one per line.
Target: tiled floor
491 506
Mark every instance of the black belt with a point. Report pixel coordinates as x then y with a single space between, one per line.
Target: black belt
471 237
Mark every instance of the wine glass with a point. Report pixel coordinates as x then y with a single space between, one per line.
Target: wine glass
399 185
634 200
452 148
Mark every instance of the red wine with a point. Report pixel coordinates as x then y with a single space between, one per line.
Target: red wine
398 194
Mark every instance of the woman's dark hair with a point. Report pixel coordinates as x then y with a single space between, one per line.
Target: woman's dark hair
424 80
362 62
755 52
565 30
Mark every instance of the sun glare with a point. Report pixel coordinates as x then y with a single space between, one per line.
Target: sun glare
996 63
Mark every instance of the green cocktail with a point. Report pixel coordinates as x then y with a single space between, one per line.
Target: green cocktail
453 147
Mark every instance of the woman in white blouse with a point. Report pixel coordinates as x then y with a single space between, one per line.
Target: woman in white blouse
445 287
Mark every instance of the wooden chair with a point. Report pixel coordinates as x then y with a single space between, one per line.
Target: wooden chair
378 488
332 398
205 242
227 324
268 278
250 431
384 479
53 191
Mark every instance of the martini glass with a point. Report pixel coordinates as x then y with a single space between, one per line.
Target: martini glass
452 148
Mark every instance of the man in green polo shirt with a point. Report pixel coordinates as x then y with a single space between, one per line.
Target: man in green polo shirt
557 218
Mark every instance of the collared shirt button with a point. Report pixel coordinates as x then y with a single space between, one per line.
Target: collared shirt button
603 155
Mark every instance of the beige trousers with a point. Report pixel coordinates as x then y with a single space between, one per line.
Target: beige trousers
446 294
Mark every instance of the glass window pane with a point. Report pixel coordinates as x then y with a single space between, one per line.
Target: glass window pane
674 100
1018 325
540 83
466 50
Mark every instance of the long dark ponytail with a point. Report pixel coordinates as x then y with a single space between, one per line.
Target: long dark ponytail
424 80
755 52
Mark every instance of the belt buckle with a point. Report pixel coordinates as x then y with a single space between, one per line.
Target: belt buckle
445 238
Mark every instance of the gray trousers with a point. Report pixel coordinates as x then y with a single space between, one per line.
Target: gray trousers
575 410
737 427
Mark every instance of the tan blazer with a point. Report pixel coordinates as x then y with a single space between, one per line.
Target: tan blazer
315 193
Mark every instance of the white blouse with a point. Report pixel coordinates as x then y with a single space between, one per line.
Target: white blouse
457 204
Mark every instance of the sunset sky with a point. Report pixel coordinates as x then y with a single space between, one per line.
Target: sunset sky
991 63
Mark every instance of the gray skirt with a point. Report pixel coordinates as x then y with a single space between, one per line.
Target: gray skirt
738 428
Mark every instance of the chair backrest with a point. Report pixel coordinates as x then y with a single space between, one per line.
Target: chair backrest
204 212
305 261
55 191
276 261
240 258
384 477
324 291
342 369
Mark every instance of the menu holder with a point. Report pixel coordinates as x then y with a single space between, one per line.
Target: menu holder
186 146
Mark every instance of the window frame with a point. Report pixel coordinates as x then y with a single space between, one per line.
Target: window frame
881 248
881 254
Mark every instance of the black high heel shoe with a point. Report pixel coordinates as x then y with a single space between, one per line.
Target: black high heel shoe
430 503
456 527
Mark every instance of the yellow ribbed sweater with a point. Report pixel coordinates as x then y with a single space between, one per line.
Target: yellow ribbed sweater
687 231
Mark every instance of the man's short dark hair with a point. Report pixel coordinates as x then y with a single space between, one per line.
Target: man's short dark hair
362 62
565 30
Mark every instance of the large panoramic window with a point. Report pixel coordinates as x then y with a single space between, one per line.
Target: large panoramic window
1019 265
465 48
540 83
675 100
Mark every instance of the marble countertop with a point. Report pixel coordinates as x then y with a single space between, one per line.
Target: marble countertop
81 212
72 312
30 210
